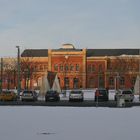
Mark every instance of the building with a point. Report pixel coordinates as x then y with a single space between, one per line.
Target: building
88 68
81 68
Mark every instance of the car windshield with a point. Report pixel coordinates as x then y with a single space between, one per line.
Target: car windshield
102 91
126 92
51 92
76 92
27 92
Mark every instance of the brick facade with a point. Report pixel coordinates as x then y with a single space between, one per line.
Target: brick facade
81 68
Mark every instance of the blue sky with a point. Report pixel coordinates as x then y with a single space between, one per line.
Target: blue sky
45 24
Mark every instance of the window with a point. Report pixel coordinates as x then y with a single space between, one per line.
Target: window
56 67
61 67
89 68
93 68
77 67
133 80
111 81
122 81
100 68
71 67
75 82
66 67
66 82
91 82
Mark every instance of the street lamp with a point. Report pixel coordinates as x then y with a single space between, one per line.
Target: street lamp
18 69
65 68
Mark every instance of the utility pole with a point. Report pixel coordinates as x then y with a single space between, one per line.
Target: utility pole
18 70
65 77
1 80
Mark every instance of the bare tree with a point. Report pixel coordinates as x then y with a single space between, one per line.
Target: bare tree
9 68
28 70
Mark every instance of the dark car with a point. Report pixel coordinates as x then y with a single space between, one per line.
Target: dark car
29 95
52 95
101 95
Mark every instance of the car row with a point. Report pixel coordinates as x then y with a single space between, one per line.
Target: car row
101 94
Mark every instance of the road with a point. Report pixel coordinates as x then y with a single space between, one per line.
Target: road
86 103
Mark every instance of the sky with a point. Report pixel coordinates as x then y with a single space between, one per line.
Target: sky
45 24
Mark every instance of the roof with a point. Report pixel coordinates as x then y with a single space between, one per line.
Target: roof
35 53
111 52
89 52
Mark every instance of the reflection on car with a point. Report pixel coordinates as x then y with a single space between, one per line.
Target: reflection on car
52 95
76 95
8 96
126 94
29 95
101 94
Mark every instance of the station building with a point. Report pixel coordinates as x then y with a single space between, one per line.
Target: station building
83 68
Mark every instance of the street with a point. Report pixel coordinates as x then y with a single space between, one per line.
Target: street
85 103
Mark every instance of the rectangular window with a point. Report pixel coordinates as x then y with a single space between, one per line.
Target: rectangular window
71 67
77 67
122 81
56 67
100 68
66 67
93 68
111 81
61 67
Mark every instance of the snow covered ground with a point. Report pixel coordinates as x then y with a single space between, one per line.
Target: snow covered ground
69 123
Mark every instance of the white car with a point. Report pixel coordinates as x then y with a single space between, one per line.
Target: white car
76 95
29 95
126 94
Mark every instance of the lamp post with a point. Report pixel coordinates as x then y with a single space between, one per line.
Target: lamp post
18 70
116 81
65 68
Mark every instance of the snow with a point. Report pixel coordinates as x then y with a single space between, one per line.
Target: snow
69 123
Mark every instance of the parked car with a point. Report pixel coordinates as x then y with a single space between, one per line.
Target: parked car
29 95
8 96
126 94
76 95
101 94
52 95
